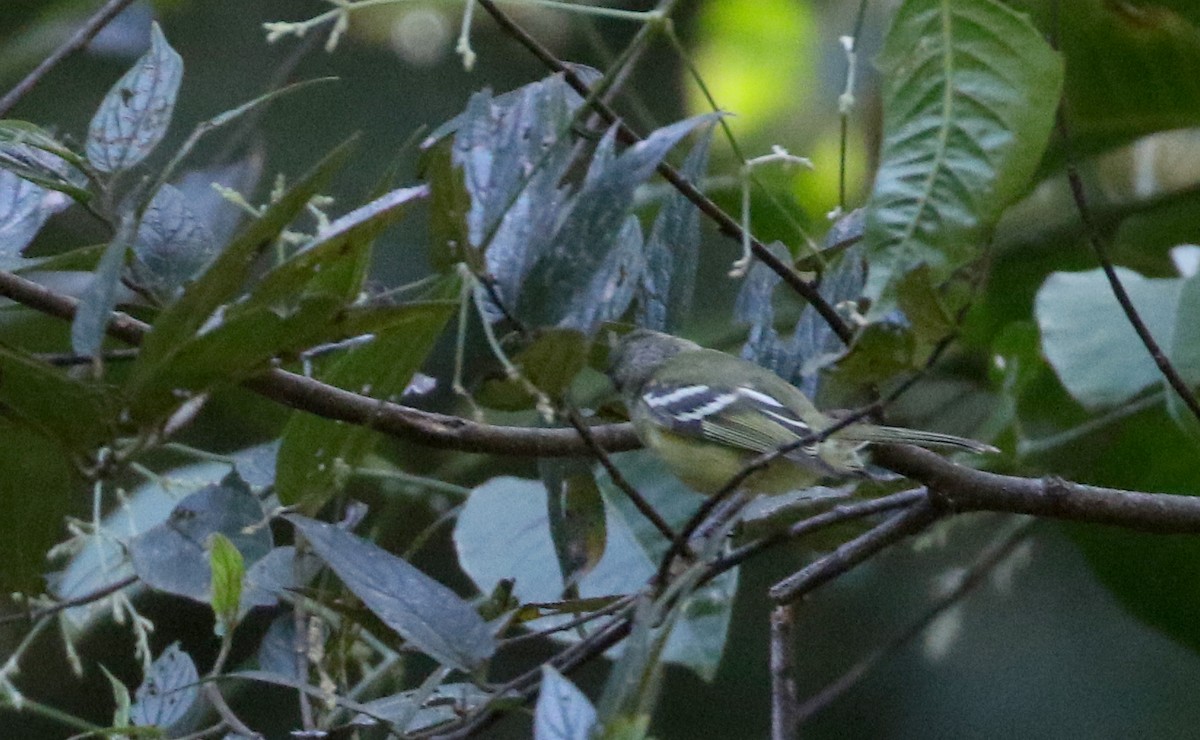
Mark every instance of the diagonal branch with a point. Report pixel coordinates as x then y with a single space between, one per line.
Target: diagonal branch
1092 231
78 40
908 522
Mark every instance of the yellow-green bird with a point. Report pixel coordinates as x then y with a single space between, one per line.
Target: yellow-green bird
708 414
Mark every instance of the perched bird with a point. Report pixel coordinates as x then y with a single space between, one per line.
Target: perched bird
708 414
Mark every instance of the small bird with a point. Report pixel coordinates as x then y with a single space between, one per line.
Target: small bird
708 414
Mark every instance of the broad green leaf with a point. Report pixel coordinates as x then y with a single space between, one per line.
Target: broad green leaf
80 259
431 617
72 413
168 691
813 345
102 560
33 155
173 556
576 516
330 263
316 454
449 206
14 132
100 297
171 245
1115 53
179 322
298 304
550 362
1184 353
501 146
562 711
970 89
672 251
120 699
36 491
228 572
1151 575
495 186
134 115
274 575
1088 340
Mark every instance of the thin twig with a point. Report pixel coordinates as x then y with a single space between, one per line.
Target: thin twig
78 40
977 572
87 598
635 497
70 359
582 619
836 515
679 543
1092 231
908 522
783 681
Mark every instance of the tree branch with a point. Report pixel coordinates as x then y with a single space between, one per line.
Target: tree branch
952 487
86 33
823 570
305 394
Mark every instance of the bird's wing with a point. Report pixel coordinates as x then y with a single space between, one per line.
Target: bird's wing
737 416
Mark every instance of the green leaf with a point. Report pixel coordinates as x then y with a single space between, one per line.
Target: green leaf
1115 54
36 492
316 454
76 415
298 304
1088 340
134 115
576 516
1184 352
969 97
449 206
332 262
447 702
120 698
24 133
562 711
168 691
100 297
149 383
424 612
228 571
550 362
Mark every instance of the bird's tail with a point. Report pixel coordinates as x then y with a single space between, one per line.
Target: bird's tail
899 435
